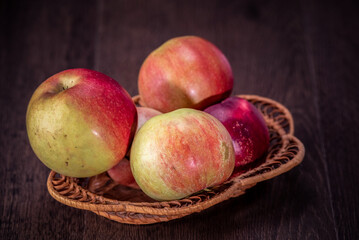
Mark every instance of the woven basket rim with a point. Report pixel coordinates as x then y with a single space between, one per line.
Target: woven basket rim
147 208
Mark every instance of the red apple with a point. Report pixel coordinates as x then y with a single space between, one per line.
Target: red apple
185 72
179 153
122 174
246 126
80 122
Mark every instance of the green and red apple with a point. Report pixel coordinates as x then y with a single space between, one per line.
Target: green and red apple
176 154
80 122
185 72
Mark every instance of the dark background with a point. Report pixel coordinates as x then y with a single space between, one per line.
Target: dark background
303 54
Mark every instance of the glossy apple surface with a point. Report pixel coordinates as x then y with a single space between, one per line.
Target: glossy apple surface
80 122
179 153
246 126
185 72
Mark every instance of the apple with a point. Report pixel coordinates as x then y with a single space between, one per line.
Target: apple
179 153
80 122
122 174
185 72
144 114
246 126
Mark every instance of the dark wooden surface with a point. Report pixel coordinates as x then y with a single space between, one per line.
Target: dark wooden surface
304 54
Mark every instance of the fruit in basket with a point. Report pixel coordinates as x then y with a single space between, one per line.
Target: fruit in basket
122 174
246 126
179 153
144 114
185 72
80 122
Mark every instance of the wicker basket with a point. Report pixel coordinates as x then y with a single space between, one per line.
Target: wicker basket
132 206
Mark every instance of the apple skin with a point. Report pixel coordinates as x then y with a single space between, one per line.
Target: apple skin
122 174
80 122
179 153
144 114
246 126
185 72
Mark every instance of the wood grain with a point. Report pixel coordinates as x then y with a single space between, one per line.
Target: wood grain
301 53
333 48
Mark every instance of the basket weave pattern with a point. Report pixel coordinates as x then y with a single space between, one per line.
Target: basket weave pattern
285 152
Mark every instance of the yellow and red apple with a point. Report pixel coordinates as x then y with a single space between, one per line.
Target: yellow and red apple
176 154
80 122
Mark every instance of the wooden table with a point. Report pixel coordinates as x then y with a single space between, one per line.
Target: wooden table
303 54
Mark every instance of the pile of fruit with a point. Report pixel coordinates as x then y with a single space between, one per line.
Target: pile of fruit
189 134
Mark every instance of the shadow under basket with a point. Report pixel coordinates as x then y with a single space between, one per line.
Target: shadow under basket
132 206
